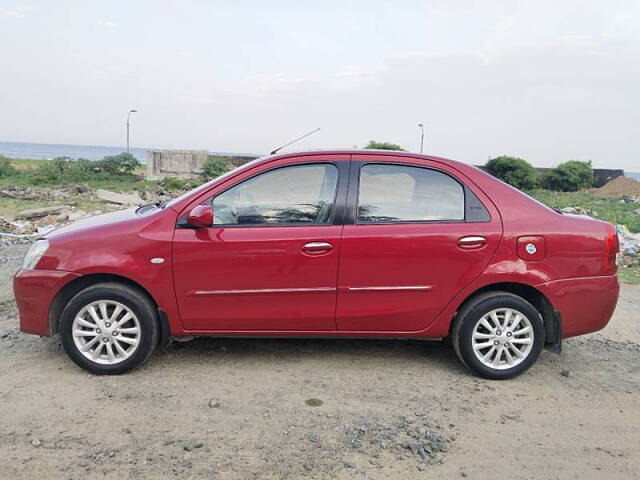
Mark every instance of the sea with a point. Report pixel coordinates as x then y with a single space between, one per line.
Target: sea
48 151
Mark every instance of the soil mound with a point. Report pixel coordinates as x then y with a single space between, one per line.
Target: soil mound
619 187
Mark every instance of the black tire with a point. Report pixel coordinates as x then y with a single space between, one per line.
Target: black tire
472 312
130 297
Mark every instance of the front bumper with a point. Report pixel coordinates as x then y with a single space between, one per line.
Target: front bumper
585 304
34 291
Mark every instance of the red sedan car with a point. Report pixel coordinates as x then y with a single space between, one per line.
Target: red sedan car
326 244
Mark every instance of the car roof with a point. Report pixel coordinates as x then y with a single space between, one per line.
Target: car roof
394 153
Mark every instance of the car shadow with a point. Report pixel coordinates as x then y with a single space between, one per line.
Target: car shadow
335 349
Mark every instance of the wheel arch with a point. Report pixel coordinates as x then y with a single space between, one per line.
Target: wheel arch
550 317
75 286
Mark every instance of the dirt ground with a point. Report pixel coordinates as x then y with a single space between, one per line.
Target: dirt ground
378 409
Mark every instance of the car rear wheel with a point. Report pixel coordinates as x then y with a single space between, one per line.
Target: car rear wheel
109 328
498 335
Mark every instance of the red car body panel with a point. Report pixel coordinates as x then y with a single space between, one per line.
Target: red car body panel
409 254
259 280
293 291
35 291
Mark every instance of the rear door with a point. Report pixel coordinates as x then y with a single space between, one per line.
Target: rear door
269 262
416 232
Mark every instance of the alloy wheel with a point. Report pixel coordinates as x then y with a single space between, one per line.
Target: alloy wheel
106 332
502 338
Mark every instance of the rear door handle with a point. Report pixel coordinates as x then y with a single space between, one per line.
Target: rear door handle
473 241
317 247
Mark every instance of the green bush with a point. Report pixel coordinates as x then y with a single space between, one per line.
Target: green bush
515 171
58 169
64 169
373 145
214 167
174 184
121 164
6 169
569 176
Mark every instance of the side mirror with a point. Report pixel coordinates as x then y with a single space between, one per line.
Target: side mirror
200 216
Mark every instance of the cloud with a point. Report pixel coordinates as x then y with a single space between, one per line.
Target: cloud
568 99
16 12
107 23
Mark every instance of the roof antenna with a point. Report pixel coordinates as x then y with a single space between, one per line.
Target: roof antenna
294 141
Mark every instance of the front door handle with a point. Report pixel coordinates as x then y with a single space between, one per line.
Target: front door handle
317 247
473 241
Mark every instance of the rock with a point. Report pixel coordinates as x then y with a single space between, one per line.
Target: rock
36 442
214 403
314 437
26 228
32 213
121 198
565 373
74 215
575 210
46 221
350 465
192 446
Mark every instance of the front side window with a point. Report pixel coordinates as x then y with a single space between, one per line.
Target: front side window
288 195
401 193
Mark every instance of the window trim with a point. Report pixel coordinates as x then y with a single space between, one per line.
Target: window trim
354 197
337 210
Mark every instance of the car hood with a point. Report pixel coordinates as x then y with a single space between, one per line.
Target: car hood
93 222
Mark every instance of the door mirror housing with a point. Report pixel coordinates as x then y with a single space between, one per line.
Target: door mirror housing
200 216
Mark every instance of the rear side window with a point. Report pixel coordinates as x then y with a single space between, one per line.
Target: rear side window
288 195
401 193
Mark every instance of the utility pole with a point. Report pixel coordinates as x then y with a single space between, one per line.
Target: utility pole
421 126
128 115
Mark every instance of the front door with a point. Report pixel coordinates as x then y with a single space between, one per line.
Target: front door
416 236
269 262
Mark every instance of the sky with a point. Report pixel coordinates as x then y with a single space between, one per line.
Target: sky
547 81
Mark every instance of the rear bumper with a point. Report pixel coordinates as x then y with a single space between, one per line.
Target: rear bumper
585 304
34 291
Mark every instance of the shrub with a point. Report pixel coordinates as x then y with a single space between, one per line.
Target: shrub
214 167
60 168
64 169
177 184
121 164
569 176
515 171
6 169
373 145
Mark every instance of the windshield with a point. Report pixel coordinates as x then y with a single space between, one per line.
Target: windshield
204 186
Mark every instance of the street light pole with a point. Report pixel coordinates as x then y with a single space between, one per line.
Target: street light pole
421 126
128 115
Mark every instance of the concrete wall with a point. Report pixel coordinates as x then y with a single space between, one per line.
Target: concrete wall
186 162
175 162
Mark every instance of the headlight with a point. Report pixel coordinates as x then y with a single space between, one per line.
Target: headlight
34 254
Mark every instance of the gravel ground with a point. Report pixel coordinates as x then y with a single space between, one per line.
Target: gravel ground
238 408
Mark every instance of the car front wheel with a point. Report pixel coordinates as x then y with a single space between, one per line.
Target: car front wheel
498 335
109 328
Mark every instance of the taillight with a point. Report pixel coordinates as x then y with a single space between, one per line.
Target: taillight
611 251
